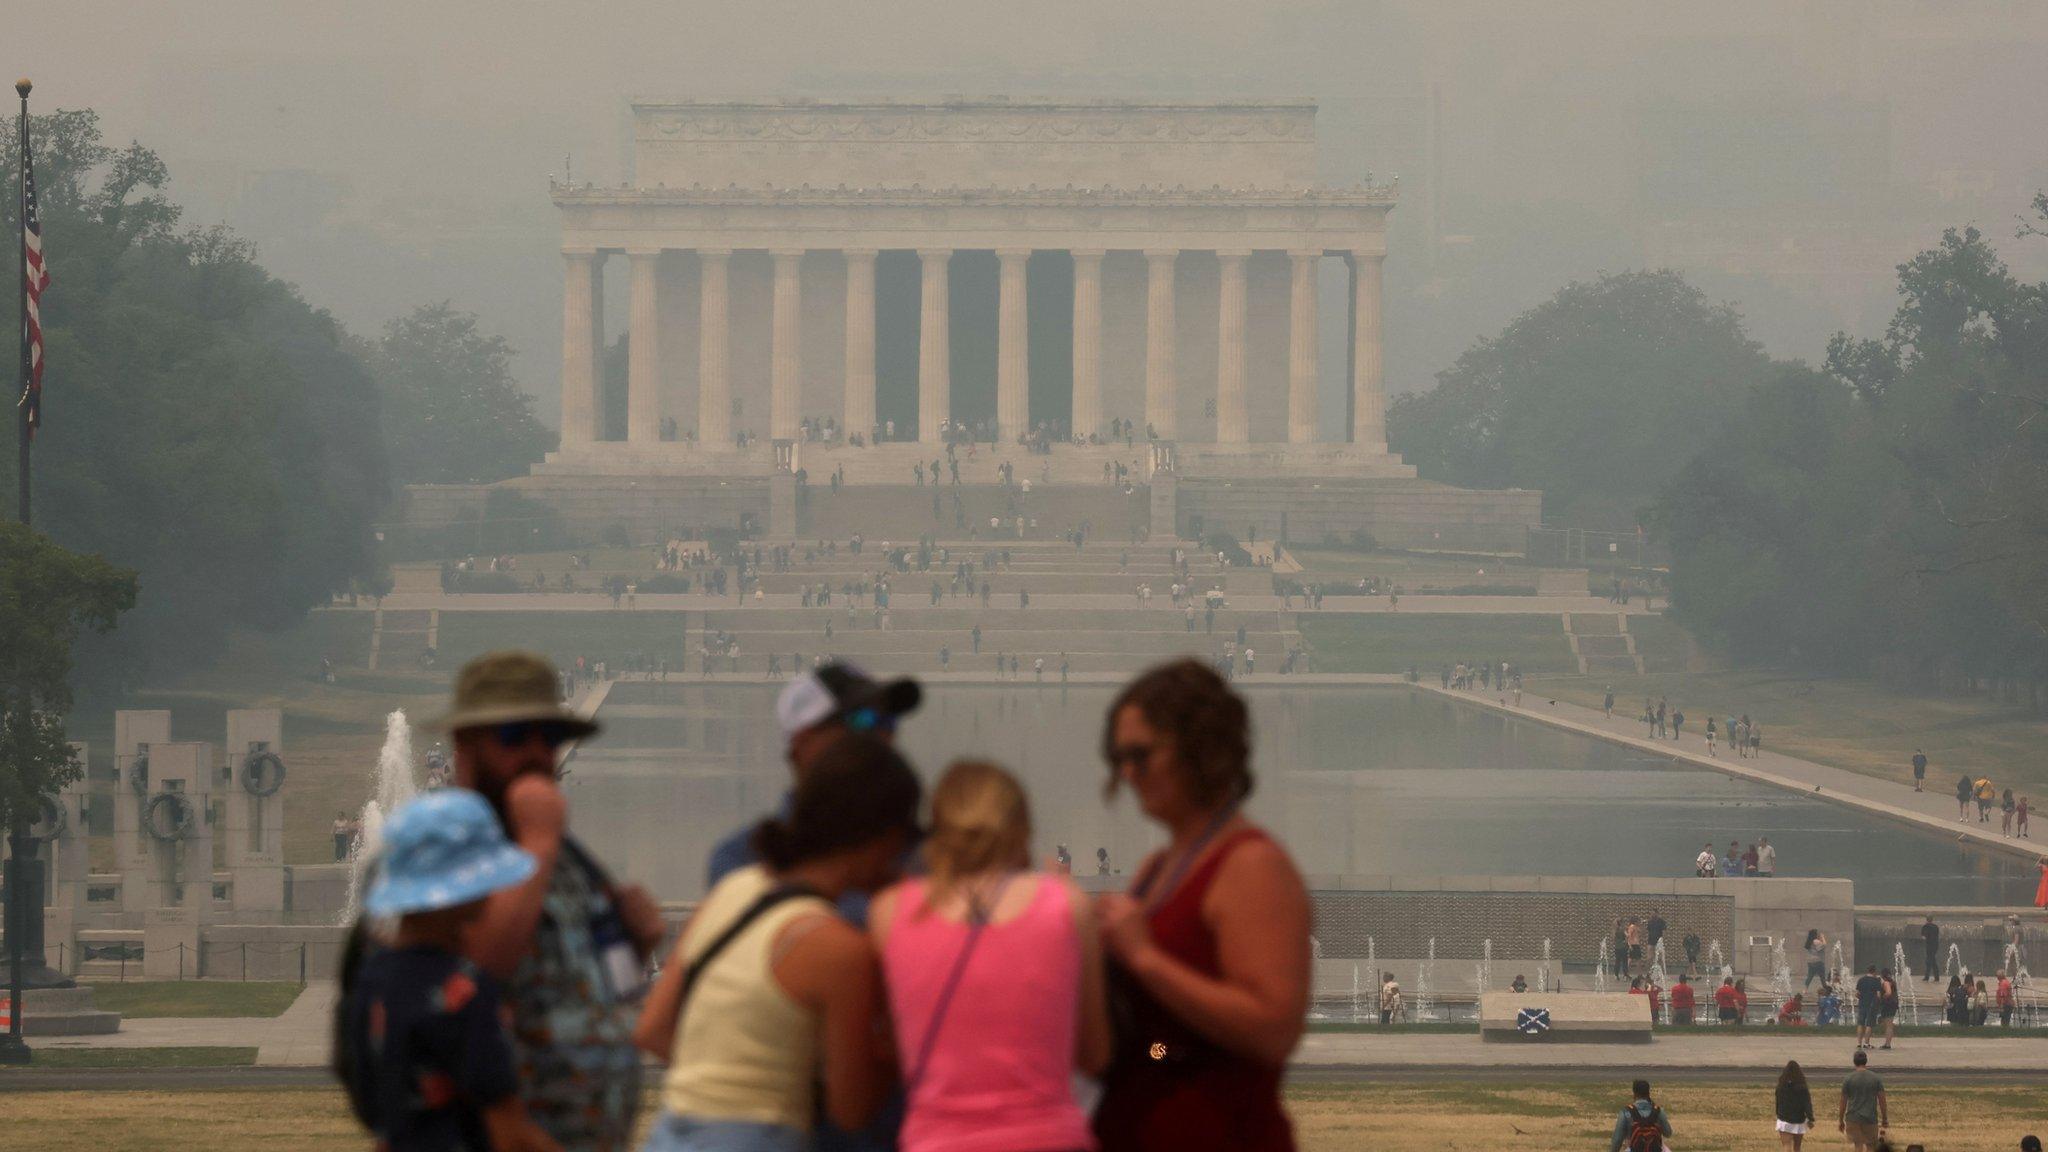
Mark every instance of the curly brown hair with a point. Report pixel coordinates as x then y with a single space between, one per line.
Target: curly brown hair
1209 725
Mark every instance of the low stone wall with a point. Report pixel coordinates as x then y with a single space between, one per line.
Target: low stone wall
1398 513
269 952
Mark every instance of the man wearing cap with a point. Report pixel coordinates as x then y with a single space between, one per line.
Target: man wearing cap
813 711
570 943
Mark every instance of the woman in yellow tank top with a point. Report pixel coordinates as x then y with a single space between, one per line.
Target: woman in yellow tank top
768 993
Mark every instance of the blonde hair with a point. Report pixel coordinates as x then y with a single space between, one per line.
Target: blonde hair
981 821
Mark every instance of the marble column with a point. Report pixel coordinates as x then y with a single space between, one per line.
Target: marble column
1302 366
860 342
1368 390
1162 401
1013 346
1232 420
934 346
714 383
784 354
579 347
1087 341
643 349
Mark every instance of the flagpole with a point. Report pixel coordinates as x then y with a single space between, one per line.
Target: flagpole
13 1050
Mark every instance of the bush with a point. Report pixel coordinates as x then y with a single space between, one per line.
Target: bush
488 583
665 583
615 536
1362 540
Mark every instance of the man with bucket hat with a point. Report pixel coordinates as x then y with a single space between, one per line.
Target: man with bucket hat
570 943
423 1051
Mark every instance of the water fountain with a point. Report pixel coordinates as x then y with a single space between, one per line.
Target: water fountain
395 785
1485 972
1543 973
1658 976
1717 962
1838 966
1781 972
2022 980
1600 967
1908 987
1422 983
1354 994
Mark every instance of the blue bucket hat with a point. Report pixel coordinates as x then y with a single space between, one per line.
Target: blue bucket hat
443 849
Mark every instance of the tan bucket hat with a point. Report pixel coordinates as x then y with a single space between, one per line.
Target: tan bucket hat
508 688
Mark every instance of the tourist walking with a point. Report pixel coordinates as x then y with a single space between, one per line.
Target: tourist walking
1794 1107
1888 1006
1390 999
1710 736
2005 813
1682 1000
1728 1002
1864 1114
994 978
1641 1126
1987 794
1816 949
569 942
1963 790
1919 769
1930 942
765 1011
421 1049
1869 994
1211 944
2004 999
344 836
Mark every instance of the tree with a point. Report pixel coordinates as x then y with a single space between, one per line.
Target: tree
1597 397
47 596
452 412
203 424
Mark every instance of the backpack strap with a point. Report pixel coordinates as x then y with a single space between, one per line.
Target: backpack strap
781 893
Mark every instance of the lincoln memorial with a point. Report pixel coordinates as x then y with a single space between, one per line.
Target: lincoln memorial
1080 288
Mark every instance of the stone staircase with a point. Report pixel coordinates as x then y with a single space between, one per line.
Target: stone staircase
1601 643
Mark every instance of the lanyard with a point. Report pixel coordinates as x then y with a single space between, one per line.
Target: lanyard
1185 861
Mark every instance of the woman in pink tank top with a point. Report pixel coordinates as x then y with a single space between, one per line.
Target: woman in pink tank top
995 981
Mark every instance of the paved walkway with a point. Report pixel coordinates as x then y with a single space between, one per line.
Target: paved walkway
909 599
297 1038
1766 1054
1933 810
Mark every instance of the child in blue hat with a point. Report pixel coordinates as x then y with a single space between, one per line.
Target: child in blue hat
423 1049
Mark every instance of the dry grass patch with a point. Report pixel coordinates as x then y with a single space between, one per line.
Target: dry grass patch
303 1120
1577 1117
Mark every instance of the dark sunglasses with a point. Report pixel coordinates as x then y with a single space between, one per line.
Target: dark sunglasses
518 733
870 720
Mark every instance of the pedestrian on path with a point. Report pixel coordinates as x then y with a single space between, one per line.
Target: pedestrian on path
1794 1106
1869 992
1641 1126
1710 736
1963 790
1919 769
1864 1114
1987 795
1607 705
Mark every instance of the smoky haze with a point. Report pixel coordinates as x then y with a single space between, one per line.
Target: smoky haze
1783 155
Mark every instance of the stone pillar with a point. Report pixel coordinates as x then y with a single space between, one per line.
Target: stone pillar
179 872
254 829
581 346
643 349
1302 364
1087 341
934 345
714 386
1013 346
1232 419
860 341
1162 401
784 356
135 732
1368 390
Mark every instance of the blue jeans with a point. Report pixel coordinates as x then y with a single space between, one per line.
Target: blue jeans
673 1133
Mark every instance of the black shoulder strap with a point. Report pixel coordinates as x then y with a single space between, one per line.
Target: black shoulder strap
779 894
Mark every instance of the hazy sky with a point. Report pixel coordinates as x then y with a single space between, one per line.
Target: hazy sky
1784 155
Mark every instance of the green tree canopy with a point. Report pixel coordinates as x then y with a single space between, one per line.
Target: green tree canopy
47 596
1598 396
1894 512
202 423
452 412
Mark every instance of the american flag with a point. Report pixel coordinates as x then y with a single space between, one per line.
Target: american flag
36 278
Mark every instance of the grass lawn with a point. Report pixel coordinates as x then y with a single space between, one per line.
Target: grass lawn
145 999
563 635
1854 724
1392 642
1559 1116
60 1059
1574 1117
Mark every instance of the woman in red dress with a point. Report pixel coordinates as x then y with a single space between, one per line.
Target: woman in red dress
2041 893
1210 948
